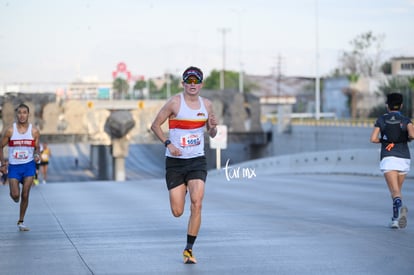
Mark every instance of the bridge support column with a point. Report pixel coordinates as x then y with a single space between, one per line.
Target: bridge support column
119 169
119 153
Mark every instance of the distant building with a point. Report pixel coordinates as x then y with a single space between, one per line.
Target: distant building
275 91
402 66
334 99
88 90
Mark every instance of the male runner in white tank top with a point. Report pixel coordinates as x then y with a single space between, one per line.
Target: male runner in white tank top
23 141
188 116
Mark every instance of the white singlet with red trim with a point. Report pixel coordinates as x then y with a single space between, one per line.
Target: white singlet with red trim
187 130
21 146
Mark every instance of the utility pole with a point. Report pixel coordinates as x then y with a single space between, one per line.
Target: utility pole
168 83
279 75
241 76
223 32
317 80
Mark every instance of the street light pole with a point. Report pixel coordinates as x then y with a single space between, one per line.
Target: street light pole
223 32
241 77
317 80
168 82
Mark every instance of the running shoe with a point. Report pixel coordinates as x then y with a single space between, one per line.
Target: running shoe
22 227
188 257
402 217
394 224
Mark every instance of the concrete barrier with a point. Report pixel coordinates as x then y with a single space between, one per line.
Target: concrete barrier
352 161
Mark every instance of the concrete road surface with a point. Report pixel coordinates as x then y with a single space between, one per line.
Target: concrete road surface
280 224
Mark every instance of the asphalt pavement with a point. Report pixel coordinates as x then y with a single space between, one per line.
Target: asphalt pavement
253 223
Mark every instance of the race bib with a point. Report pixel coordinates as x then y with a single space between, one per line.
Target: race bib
190 140
21 154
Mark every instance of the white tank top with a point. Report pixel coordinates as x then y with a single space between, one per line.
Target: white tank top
187 130
21 146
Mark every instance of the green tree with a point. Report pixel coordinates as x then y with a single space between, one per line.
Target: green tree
120 87
231 81
411 83
212 82
139 86
364 59
152 89
174 86
395 84
386 68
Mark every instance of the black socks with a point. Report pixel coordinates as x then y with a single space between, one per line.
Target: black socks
190 241
397 203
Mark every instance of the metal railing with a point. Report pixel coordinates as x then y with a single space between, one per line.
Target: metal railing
327 119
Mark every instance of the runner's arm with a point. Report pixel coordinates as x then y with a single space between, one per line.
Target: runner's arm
410 129
375 135
4 141
212 120
36 136
162 116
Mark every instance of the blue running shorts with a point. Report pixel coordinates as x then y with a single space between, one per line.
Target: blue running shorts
21 171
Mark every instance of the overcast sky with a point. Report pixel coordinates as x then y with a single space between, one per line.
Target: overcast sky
59 41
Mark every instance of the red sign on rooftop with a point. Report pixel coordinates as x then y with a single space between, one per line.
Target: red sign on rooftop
121 69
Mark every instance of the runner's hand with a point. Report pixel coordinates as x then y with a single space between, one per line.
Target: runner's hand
174 150
3 168
212 121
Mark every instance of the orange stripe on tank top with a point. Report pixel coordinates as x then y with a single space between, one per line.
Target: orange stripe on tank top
186 124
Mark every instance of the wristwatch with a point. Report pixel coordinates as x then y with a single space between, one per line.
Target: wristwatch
167 142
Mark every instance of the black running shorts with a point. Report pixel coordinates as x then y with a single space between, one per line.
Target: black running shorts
180 171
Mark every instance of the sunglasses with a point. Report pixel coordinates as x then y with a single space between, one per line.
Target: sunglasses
192 81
